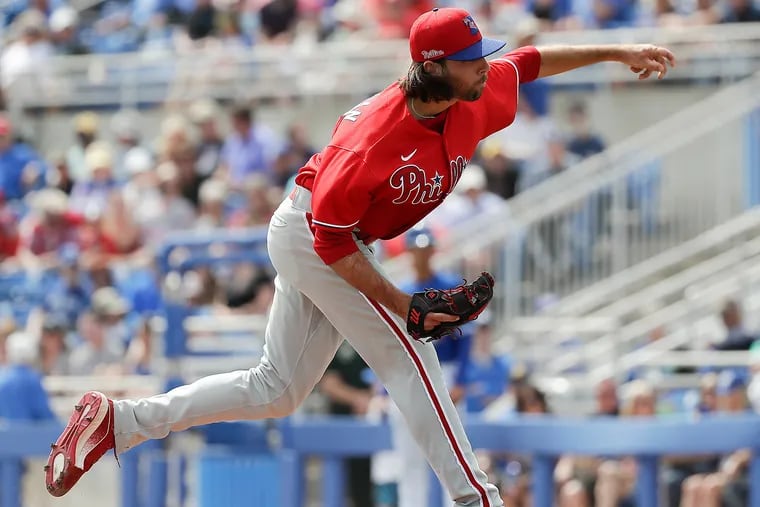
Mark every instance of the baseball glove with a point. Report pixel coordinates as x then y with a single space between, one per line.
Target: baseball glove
465 301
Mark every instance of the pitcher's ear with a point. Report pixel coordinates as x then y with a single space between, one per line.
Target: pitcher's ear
434 68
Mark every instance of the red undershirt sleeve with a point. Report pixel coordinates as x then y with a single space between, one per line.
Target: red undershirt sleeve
340 198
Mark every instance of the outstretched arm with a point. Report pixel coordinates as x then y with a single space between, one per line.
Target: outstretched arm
642 59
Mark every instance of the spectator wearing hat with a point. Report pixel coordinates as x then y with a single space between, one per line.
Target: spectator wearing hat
22 396
21 169
91 193
141 193
48 227
103 334
64 31
125 126
212 196
86 132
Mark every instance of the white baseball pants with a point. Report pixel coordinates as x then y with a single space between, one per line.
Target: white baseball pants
313 310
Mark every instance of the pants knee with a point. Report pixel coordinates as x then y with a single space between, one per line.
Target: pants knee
284 405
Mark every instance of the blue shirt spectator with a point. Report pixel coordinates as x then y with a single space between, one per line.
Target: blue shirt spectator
15 158
251 148
22 396
486 380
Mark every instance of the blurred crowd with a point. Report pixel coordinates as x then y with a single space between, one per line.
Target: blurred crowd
55 26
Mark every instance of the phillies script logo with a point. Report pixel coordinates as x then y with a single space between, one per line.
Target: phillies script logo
414 187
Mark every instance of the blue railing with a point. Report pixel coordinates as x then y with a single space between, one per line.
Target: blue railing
333 439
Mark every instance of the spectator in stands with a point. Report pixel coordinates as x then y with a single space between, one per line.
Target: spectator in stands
676 469
9 234
536 93
502 172
576 476
558 159
515 469
7 327
582 142
125 126
21 169
176 145
103 334
91 193
725 483
22 396
606 397
259 204
176 212
86 132
137 359
48 227
487 374
471 199
616 479
250 148
297 151
614 13
64 31
213 197
737 338
394 19
741 11
277 19
117 236
53 354
58 174
24 68
349 393
67 296
142 195
200 22
204 114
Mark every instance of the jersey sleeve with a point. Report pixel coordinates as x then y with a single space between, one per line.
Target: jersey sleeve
340 198
526 62
504 78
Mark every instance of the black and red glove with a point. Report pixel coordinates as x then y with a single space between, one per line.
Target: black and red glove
466 301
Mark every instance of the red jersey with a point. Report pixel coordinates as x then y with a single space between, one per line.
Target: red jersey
384 171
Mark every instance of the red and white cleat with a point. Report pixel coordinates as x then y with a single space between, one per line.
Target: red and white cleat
87 437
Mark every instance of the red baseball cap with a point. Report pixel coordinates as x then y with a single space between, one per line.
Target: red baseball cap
449 33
